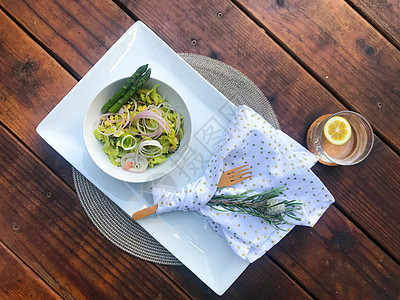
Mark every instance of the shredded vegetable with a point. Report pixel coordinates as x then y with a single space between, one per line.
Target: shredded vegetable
143 133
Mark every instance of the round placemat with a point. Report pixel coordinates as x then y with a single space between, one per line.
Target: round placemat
116 225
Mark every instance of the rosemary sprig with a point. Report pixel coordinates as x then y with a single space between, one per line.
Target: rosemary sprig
262 205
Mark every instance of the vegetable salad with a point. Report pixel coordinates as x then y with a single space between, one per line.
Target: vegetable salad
143 133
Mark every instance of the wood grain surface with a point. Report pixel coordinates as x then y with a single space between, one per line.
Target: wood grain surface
308 61
382 14
17 281
32 83
344 51
335 260
79 32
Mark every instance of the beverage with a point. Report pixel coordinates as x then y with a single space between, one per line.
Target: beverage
344 138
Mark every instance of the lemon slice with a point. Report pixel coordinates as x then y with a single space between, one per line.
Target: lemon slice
337 130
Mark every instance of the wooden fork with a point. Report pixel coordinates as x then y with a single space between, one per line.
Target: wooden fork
228 178
231 177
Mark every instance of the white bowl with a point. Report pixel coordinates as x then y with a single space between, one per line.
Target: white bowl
95 147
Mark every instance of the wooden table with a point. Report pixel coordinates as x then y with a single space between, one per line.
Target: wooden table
308 57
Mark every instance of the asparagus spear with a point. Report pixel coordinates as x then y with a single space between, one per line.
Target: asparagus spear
122 91
142 80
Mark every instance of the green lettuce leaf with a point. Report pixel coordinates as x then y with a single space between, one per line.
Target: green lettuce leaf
156 160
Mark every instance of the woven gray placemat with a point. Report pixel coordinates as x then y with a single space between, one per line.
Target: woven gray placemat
116 225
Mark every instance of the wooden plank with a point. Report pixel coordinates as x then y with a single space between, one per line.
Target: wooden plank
23 125
382 14
32 84
43 223
297 100
17 281
334 260
79 32
344 51
262 279
368 194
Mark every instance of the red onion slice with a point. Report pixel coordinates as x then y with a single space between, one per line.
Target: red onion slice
124 108
178 124
106 116
156 109
148 114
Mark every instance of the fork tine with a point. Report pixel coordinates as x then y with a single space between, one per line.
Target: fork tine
237 168
238 172
230 177
239 180
238 175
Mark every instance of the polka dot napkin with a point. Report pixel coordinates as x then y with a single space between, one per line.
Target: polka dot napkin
276 160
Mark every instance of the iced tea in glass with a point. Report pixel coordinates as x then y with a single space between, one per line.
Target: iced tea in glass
343 138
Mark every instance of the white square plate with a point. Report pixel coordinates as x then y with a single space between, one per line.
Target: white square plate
186 235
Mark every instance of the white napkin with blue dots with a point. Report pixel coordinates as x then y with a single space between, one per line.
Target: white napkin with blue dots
276 160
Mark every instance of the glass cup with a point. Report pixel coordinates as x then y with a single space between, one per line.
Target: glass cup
352 152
